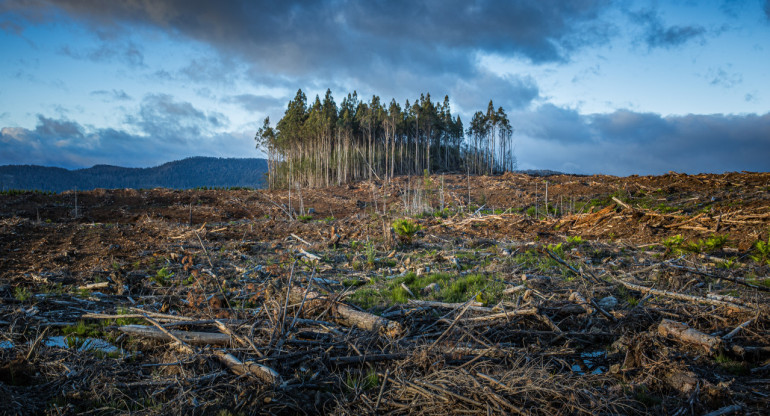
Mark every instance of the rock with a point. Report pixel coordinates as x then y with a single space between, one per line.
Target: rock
608 303
431 288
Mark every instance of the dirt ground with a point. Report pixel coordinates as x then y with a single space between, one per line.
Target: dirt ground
520 319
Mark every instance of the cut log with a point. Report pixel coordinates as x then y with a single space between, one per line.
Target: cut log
683 333
346 315
239 367
198 338
578 298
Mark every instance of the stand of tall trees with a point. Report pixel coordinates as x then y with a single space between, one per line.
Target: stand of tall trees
323 144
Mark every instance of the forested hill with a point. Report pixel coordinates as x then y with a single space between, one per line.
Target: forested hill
181 174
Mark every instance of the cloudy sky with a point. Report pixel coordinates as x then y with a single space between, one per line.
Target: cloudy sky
591 86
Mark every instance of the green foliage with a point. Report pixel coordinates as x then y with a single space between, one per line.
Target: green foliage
485 289
575 240
727 264
75 342
304 218
316 127
371 254
453 288
83 330
21 293
762 251
162 277
360 382
367 298
729 365
406 229
715 242
556 249
676 245
673 244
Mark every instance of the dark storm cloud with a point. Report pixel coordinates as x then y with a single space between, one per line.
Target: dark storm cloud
626 142
657 35
345 37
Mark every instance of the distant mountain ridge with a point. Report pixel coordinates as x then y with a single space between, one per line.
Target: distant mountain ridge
193 172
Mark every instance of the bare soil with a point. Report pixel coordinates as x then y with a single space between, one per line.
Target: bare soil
563 313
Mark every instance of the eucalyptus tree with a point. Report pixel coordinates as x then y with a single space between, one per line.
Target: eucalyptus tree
322 143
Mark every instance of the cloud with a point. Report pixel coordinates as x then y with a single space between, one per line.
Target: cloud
767 9
725 79
110 96
510 92
163 118
69 144
255 103
626 142
657 35
126 52
346 37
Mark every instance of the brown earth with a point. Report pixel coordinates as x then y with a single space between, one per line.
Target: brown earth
232 254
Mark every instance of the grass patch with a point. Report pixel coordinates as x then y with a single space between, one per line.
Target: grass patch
452 288
731 366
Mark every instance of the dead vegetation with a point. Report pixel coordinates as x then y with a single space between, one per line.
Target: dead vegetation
616 296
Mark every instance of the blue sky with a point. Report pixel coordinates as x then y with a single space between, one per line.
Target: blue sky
591 86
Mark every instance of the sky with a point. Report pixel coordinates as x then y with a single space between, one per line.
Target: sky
590 86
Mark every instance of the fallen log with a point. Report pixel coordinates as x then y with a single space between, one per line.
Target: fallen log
683 333
199 338
239 367
681 296
346 315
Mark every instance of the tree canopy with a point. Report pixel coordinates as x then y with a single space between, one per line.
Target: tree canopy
322 143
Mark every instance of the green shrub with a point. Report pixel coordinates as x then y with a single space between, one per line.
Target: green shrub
162 276
21 293
406 229
762 251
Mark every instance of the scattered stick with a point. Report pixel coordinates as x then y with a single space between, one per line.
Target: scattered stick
737 329
681 296
199 338
303 241
181 343
622 204
262 372
727 410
